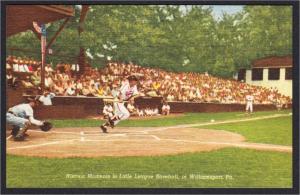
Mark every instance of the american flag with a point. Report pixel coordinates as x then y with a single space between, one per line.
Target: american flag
43 38
41 30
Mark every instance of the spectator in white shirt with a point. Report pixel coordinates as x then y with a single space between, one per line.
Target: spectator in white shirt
75 67
46 98
48 68
70 91
16 67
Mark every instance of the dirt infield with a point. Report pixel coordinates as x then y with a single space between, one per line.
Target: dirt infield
129 141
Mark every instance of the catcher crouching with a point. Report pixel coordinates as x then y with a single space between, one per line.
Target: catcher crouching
20 117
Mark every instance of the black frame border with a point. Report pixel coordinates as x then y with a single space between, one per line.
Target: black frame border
294 190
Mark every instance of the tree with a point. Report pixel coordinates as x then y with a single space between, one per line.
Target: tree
172 37
267 30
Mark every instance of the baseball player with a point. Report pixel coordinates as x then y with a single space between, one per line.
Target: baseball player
21 117
165 108
249 103
107 110
128 91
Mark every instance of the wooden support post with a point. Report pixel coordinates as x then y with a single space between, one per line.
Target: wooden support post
81 56
57 33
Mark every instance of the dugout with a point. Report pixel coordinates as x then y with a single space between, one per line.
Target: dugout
271 72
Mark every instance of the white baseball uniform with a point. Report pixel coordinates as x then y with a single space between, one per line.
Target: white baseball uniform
166 108
120 110
249 103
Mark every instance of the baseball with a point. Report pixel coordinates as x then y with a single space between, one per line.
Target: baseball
212 120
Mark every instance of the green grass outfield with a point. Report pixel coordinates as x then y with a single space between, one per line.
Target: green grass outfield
230 167
248 168
269 131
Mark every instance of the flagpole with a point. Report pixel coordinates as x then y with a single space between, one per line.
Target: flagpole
43 50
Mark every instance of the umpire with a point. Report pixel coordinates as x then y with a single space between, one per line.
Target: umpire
21 117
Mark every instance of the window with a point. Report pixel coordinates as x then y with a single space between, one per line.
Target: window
274 73
242 75
257 74
288 73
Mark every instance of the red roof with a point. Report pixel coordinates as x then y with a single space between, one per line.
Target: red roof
273 61
19 18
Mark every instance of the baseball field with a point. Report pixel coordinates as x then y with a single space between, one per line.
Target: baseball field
187 150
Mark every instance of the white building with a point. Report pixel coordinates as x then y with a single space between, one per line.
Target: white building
275 72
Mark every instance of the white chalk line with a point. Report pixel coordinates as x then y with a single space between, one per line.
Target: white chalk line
58 132
243 145
39 145
170 127
113 140
155 137
216 123
240 145
124 135
82 139
130 132
81 133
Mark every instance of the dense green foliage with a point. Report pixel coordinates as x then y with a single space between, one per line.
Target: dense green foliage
248 168
177 38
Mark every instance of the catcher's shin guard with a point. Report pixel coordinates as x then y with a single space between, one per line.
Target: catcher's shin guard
20 136
15 131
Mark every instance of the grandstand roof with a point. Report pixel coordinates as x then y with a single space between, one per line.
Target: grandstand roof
19 18
273 62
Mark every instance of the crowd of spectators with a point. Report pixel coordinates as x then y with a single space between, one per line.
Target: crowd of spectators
195 87
18 64
185 86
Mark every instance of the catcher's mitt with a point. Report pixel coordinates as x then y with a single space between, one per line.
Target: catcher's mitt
46 126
